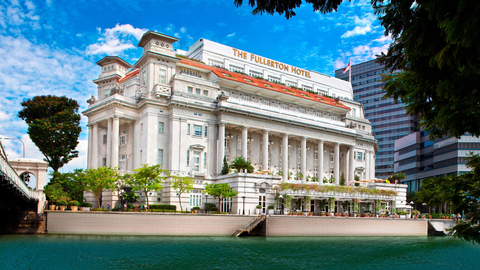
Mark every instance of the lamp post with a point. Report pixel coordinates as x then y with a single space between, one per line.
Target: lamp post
206 201
243 197
18 140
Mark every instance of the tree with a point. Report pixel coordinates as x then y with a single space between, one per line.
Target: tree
55 192
240 163
397 177
225 168
342 179
71 182
220 191
54 126
98 180
181 184
147 178
433 62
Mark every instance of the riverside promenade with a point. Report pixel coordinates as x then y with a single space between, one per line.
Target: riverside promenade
135 223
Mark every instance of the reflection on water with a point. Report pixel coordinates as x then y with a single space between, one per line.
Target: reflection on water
147 252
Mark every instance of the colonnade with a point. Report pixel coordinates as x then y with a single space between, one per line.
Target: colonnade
349 159
113 129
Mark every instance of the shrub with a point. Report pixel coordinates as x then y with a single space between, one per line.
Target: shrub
73 203
130 206
210 207
402 213
195 208
163 206
258 206
271 206
216 212
64 203
85 204
98 209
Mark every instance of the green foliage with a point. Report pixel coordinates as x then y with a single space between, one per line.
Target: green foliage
73 203
146 178
342 180
258 206
54 127
71 183
402 213
98 180
271 207
130 197
287 201
181 184
331 180
196 208
85 204
337 189
240 163
298 176
225 168
397 177
210 207
98 209
331 204
280 173
325 180
163 206
55 192
62 202
220 191
281 6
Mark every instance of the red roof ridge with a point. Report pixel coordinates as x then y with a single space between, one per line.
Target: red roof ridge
259 82
129 75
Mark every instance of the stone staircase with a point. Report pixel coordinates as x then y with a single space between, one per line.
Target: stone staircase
251 225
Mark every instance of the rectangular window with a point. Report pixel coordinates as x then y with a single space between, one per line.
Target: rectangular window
299 151
246 97
160 157
205 128
162 76
105 139
197 91
197 130
302 110
121 162
196 161
196 200
227 143
141 129
298 168
204 159
315 149
205 92
280 150
266 102
123 139
332 157
359 156
145 77
190 90
188 158
104 162
160 127
188 129
284 106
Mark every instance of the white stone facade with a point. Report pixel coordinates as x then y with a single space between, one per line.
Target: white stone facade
187 116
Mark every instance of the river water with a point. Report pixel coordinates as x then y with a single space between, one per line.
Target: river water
147 252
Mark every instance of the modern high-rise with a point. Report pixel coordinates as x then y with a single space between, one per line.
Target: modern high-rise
389 120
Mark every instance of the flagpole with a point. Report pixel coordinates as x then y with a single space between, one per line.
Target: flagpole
350 71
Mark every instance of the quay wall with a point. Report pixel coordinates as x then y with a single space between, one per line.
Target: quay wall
338 226
130 223
134 223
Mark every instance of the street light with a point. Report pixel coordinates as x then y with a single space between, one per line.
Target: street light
18 140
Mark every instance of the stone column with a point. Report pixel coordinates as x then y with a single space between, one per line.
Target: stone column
336 163
367 165
115 144
265 151
211 149
89 152
320 162
244 142
109 142
351 170
95 146
303 165
221 147
285 157
372 164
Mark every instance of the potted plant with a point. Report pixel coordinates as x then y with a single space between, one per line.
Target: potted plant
259 209
85 206
51 205
271 209
195 209
62 204
73 205
323 214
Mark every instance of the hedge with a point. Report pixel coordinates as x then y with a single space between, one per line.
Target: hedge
162 206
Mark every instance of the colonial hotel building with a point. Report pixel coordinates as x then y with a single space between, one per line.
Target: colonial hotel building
187 110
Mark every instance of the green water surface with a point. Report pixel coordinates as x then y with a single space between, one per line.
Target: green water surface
128 252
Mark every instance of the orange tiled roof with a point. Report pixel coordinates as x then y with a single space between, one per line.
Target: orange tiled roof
129 75
245 79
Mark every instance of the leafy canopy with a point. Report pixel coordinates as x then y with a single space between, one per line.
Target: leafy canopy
147 178
98 180
181 184
220 191
54 126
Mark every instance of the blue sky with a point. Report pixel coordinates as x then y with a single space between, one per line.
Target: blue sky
50 47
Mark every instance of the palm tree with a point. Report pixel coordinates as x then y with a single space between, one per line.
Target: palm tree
240 163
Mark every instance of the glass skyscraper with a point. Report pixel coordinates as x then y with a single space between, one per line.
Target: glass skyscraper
389 120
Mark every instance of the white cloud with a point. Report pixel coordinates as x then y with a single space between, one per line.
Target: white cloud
231 35
116 40
15 15
363 26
